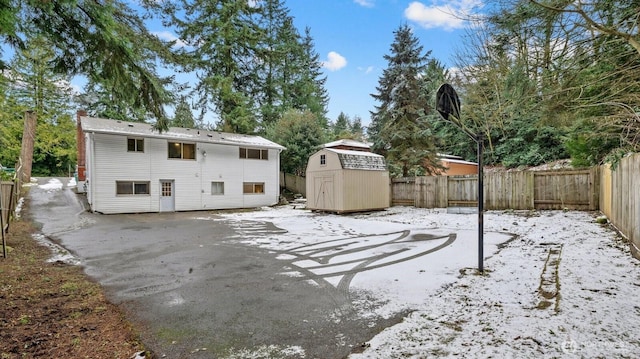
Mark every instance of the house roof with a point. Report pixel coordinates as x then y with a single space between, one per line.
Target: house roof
116 127
358 160
348 143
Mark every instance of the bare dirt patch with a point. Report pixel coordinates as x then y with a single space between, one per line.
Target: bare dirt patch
53 310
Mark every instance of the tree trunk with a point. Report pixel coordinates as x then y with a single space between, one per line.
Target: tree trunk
28 139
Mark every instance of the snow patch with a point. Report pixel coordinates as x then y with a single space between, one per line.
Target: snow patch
59 254
54 184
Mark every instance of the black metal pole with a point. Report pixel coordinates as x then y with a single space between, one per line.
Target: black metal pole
480 142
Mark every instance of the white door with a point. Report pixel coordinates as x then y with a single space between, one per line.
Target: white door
167 196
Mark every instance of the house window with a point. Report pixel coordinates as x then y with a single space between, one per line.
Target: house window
253 187
135 144
254 153
132 188
185 151
217 188
323 160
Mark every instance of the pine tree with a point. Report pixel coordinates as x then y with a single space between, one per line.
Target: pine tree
183 117
223 40
35 86
341 128
356 129
399 129
309 92
301 133
105 41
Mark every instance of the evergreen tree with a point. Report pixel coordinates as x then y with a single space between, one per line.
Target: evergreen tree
35 86
106 41
183 117
309 92
356 129
399 129
341 128
278 50
223 37
301 133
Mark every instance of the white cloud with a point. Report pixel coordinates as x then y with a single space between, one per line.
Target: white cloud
365 3
366 70
448 15
169 36
334 62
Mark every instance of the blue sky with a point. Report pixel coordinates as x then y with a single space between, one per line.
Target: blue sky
352 36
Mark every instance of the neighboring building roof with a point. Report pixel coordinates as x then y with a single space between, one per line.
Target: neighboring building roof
347 143
459 161
358 160
116 127
446 156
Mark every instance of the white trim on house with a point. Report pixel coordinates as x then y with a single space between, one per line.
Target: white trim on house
217 159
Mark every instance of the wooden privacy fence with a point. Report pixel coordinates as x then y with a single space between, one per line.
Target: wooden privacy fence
620 198
577 189
293 183
7 205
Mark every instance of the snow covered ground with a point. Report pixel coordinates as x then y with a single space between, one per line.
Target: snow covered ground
556 284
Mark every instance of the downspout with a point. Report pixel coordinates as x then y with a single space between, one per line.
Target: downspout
284 176
92 171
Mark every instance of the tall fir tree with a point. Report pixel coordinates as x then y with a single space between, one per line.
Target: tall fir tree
183 116
341 128
105 41
34 85
222 39
399 128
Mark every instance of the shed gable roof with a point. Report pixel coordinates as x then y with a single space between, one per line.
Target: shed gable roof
116 127
358 160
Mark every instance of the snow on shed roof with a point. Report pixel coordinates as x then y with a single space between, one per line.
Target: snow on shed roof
347 142
116 127
358 160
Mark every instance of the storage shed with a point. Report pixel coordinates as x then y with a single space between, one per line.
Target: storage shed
344 180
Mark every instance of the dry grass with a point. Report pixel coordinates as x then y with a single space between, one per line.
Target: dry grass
53 310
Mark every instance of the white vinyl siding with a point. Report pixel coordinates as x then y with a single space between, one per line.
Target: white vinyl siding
110 161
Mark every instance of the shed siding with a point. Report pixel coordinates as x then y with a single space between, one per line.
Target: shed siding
365 190
351 190
192 178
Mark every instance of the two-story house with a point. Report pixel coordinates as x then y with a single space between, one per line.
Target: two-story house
128 167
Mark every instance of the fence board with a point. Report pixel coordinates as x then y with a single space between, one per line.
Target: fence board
509 190
565 189
620 201
293 183
577 189
403 191
462 191
431 192
7 202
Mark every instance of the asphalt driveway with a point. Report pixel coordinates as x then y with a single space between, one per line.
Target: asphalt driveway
195 290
